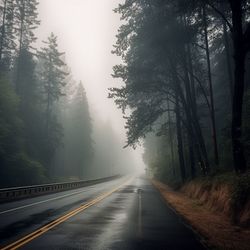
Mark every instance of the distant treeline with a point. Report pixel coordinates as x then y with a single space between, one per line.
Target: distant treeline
186 70
41 106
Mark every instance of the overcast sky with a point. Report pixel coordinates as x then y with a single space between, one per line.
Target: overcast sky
86 31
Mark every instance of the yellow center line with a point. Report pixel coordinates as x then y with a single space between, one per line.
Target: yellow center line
26 239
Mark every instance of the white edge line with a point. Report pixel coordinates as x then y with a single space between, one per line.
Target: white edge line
43 201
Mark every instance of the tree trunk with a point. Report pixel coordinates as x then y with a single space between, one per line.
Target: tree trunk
179 139
214 136
195 136
22 16
239 79
170 137
192 122
228 59
191 77
47 128
3 30
194 108
189 99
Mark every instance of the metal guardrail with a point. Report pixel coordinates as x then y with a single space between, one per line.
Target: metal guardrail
16 193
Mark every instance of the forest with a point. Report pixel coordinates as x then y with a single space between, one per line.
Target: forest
185 65
125 124
46 129
185 94
39 100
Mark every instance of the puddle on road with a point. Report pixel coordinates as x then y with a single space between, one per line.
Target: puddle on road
120 217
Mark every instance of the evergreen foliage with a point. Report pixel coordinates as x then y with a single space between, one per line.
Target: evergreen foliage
176 56
33 99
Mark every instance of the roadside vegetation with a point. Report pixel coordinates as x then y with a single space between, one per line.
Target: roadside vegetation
48 131
45 119
186 73
212 224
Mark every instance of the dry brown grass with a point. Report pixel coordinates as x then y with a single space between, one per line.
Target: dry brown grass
215 227
216 196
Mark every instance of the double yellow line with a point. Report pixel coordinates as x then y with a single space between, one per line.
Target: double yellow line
26 239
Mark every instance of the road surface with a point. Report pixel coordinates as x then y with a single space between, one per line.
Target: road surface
126 213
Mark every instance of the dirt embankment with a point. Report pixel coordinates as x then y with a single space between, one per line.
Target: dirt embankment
218 208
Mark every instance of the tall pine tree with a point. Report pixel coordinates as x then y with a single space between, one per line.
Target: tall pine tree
26 21
7 33
80 141
53 79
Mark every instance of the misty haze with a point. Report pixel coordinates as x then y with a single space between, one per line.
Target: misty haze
124 124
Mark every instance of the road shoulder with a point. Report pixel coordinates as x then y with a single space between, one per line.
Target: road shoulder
214 227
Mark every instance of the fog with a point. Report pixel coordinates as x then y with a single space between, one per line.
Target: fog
86 32
113 109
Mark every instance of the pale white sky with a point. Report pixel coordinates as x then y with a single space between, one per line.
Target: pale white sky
86 31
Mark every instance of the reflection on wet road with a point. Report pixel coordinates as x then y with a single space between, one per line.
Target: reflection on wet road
132 217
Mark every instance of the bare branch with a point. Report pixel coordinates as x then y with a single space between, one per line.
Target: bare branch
221 14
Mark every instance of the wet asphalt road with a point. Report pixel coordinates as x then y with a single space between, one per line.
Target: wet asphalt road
133 217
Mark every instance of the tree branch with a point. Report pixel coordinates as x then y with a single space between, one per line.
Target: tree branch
221 14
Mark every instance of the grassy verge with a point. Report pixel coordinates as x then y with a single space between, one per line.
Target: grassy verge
215 226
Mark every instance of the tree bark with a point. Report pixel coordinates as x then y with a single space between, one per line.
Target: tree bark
239 80
228 59
190 100
179 139
192 80
195 136
170 137
192 122
212 115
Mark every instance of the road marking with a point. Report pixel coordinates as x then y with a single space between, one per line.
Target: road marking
39 202
26 239
139 214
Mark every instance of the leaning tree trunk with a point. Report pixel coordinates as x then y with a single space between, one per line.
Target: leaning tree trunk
193 123
239 79
195 134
